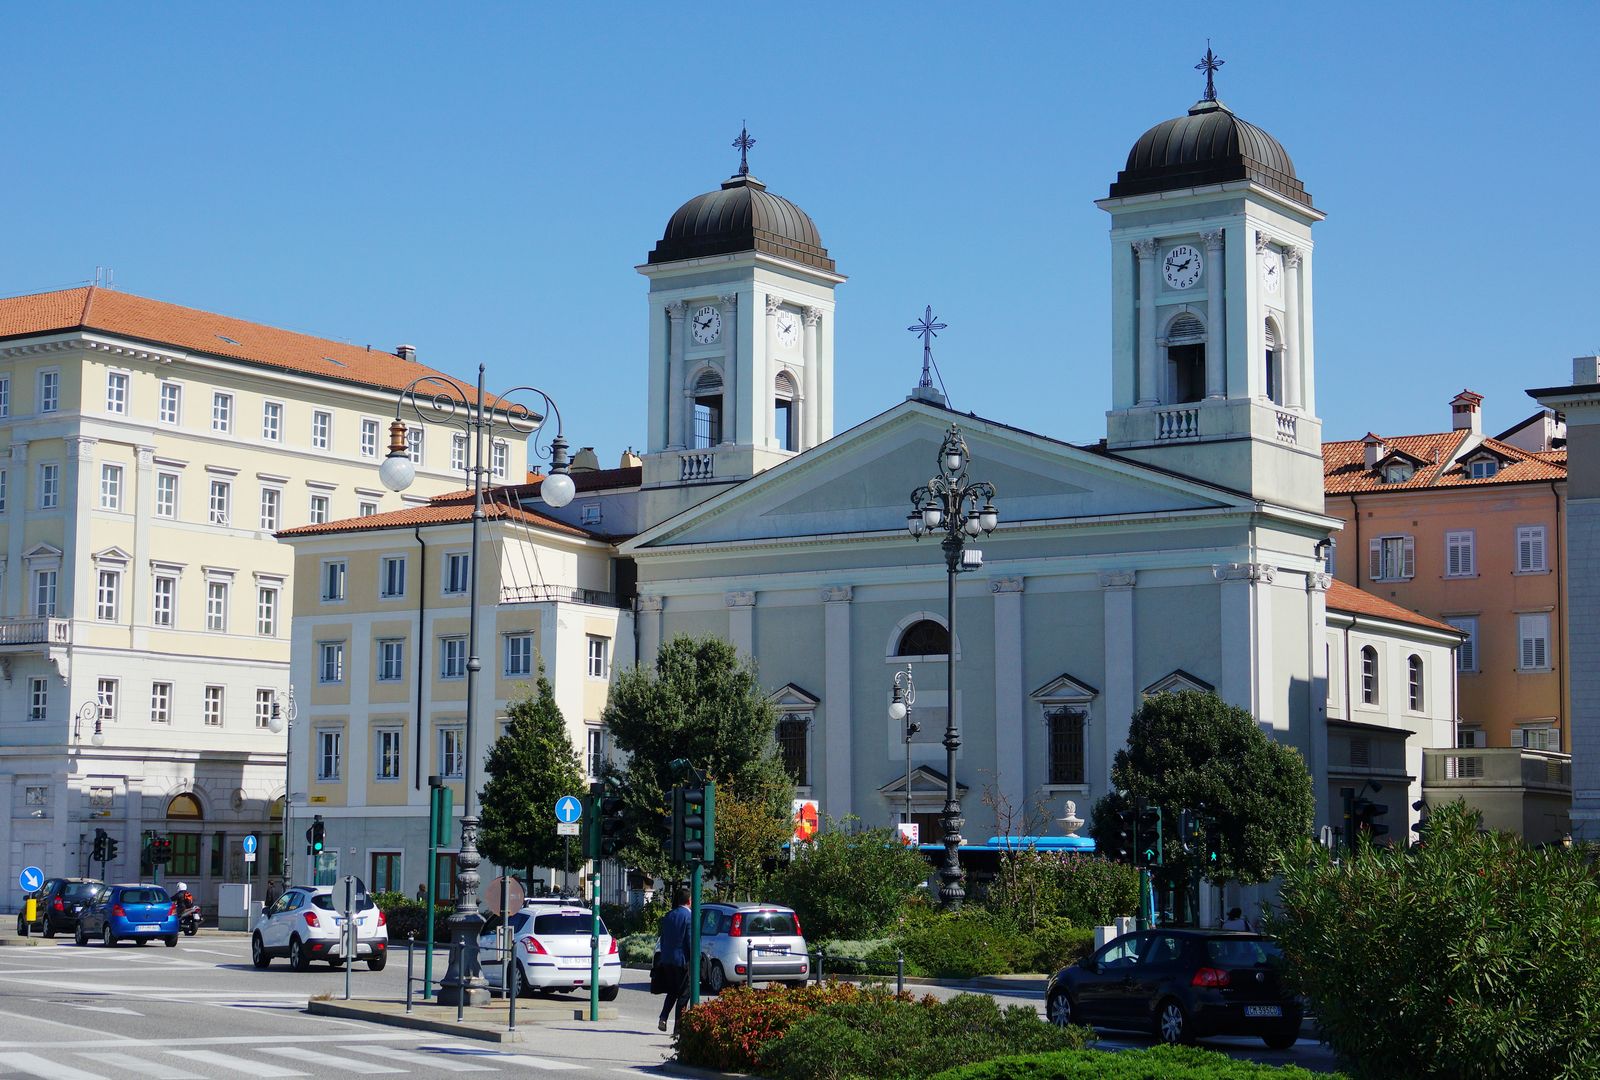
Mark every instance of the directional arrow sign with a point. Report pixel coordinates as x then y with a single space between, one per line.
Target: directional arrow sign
568 809
250 844
30 879
1149 855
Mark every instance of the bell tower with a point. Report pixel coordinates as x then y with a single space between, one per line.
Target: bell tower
741 340
1213 365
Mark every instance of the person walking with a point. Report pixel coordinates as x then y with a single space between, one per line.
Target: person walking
1235 920
422 893
676 940
272 893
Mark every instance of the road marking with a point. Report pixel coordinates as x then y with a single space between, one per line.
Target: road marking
30 1019
212 952
101 1008
316 1057
412 1057
164 1043
230 1064
127 1063
536 1062
33 1065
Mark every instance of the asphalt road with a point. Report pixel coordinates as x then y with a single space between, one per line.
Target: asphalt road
202 1011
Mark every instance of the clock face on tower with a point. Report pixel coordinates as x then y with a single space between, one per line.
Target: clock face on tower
788 329
1182 266
1271 273
707 325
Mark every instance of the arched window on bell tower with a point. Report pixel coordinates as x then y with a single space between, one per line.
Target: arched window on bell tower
707 410
1186 358
1274 362
785 412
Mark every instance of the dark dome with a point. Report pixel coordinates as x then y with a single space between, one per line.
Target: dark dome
742 216
1209 145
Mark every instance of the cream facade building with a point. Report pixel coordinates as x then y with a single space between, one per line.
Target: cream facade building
148 453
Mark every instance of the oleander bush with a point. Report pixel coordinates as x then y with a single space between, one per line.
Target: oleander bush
406 916
961 945
637 950
1087 890
1155 1063
729 1031
851 885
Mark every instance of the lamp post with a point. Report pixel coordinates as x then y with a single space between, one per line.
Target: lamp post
905 695
89 710
949 503
437 400
283 720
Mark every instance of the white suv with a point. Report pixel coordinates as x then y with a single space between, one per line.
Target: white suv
307 924
552 950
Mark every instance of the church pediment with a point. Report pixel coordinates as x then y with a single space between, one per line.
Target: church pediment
1064 688
861 481
791 696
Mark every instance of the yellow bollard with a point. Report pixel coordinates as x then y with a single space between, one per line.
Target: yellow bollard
30 911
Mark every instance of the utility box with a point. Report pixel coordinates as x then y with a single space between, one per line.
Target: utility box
234 909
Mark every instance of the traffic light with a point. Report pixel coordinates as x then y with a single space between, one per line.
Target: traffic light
111 849
99 851
1213 846
316 836
1421 827
611 823
1147 833
1365 813
1125 835
160 850
699 819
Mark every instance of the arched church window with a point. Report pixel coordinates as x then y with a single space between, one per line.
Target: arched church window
1186 358
1369 675
1274 363
707 410
784 412
924 638
186 807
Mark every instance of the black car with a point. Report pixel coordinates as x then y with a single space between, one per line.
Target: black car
1180 985
61 901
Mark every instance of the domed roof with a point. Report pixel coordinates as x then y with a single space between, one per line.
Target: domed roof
742 216
1209 145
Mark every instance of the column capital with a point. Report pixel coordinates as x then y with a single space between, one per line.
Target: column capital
649 604
773 303
1005 585
19 450
82 446
813 315
745 598
1260 573
731 299
678 309
1213 240
1146 249
1292 257
1263 242
145 457
1118 579
837 594
1318 582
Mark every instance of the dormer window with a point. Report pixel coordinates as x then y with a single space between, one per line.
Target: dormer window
1397 473
1483 468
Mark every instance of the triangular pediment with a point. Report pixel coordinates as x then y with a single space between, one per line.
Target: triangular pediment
923 778
1177 680
1064 688
860 483
112 555
42 551
791 696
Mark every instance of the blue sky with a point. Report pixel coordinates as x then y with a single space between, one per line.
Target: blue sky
480 180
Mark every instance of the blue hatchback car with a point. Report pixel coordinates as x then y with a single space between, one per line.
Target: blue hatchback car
130 912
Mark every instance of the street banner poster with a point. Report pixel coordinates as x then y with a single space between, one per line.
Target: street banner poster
806 820
910 833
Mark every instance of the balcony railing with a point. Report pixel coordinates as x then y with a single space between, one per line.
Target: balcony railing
1500 766
39 631
696 466
1288 425
1178 424
543 594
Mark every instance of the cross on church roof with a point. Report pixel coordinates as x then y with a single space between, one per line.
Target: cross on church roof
927 329
743 144
1209 63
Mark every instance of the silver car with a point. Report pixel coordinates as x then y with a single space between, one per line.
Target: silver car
755 942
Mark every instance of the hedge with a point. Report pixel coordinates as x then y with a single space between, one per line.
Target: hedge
406 916
974 942
729 1031
1155 1063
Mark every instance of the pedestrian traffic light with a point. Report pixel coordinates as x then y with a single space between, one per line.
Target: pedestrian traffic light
699 822
1147 833
316 836
99 850
1213 846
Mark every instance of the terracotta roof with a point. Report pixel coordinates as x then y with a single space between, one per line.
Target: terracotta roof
157 322
1344 468
441 510
1354 601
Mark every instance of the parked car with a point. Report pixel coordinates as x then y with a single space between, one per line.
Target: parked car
551 943
765 938
307 923
129 913
1181 985
61 900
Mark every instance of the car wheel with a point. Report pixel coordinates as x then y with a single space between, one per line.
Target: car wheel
1059 1009
1172 1023
608 993
376 961
49 927
79 936
716 978
519 983
1282 1039
141 941
297 955
171 940
258 952
106 937
22 927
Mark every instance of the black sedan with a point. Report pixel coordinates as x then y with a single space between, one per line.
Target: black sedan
60 902
1180 985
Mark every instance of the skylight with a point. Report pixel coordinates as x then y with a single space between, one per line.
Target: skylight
229 340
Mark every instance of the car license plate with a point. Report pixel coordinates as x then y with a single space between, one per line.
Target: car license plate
148 928
1263 1010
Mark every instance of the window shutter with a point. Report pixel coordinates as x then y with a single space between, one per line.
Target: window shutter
1375 570
1409 568
1519 737
1469 553
1530 548
1536 545
1452 546
1186 330
1468 658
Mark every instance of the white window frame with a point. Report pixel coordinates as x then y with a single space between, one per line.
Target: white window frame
330 662
267 610
334 578
1548 736
5 396
1371 680
1467 651
1394 552
452 752
414 444
457 576
222 412
599 660
369 438
594 751
2 491
319 509
1483 468
518 656
366 508
220 503
329 761
45 592
111 487
1533 641
458 453
117 383
38 698
1532 549
106 693
49 485
388 749
264 698
271 508
453 657
213 701
107 595
1416 683
392 577
164 602
321 429
169 403
161 703
217 604
272 421
166 507
47 396
391 659
1461 553
499 458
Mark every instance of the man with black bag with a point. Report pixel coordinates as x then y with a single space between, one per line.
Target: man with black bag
672 961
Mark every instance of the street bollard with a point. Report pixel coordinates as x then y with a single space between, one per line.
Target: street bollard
899 972
749 963
455 965
507 986
411 942
822 961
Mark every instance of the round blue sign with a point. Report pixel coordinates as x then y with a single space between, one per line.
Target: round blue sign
568 809
30 879
250 844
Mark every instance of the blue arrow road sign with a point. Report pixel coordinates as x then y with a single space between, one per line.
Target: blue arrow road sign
250 844
568 809
31 878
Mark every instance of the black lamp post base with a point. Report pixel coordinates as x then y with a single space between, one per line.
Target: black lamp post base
463 980
471 996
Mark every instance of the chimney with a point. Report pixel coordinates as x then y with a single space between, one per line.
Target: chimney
1464 413
585 460
1374 448
630 459
1585 370
406 352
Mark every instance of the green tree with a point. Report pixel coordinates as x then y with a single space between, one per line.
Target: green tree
1471 954
531 766
1193 751
850 885
701 703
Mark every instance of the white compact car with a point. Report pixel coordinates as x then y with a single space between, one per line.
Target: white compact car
552 950
307 924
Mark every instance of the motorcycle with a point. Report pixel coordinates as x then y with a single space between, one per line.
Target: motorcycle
189 921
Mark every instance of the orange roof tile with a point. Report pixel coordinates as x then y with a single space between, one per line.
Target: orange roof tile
1354 601
158 322
450 509
1344 468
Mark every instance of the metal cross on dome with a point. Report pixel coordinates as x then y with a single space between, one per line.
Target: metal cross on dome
743 144
927 329
1209 63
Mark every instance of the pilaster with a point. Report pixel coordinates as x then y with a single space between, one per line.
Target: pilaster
77 504
732 407
810 406
763 373
677 312
1317 585
1148 392
1011 769
1216 322
741 621
1295 374
21 485
1121 691
1244 634
141 496
836 701
649 615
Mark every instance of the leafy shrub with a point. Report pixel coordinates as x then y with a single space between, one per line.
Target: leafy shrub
850 884
637 950
1471 954
1051 946
728 1032
962 945
1032 886
406 916
858 957
879 1035
1155 1063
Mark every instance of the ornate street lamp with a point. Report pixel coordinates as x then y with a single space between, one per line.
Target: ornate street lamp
89 710
282 719
434 399
950 503
905 695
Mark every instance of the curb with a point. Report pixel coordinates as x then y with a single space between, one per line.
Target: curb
377 1012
